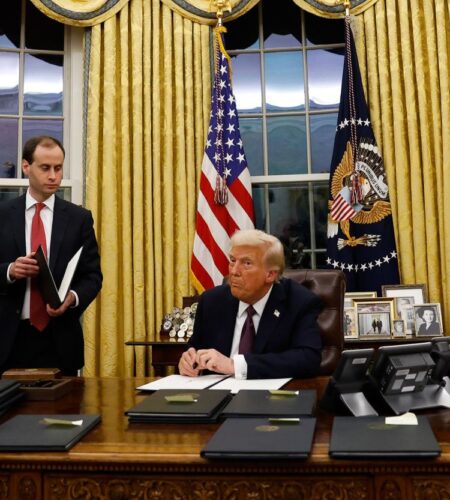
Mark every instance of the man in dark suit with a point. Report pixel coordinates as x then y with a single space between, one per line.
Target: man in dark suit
285 339
55 339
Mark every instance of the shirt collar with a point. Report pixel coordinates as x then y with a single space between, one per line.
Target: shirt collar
30 201
257 306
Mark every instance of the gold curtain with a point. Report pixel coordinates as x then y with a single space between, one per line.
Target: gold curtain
148 112
404 53
79 12
333 8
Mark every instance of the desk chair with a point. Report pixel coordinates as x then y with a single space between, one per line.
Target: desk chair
329 285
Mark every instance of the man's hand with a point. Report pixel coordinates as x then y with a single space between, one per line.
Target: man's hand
188 363
24 267
214 361
69 301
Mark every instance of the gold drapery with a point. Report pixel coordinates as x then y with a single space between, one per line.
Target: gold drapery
333 8
148 112
404 53
79 12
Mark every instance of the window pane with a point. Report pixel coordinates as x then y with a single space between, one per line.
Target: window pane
325 76
320 193
323 131
43 86
242 33
9 193
288 213
247 83
54 128
8 147
282 24
251 134
287 145
10 24
321 31
9 83
284 81
41 32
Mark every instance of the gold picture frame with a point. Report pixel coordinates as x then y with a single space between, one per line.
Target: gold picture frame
349 297
374 317
428 320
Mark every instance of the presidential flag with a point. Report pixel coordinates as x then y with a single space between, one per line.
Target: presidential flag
225 201
360 233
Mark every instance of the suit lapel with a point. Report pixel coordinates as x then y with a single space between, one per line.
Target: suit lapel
18 226
228 322
271 318
60 221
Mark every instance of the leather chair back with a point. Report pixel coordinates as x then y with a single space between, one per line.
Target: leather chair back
329 285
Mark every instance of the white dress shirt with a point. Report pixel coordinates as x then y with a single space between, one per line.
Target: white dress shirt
240 365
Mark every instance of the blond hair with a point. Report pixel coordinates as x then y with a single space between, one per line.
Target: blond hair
274 253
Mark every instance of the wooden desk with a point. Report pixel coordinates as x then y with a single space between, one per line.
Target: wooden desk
121 461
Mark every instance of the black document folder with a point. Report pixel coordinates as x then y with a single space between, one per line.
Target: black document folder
204 407
254 403
29 433
261 438
47 284
8 388
371 437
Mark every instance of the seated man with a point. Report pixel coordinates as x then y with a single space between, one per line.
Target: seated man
279 337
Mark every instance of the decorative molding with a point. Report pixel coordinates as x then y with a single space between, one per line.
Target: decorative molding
118 488
4 488
27 488
426 488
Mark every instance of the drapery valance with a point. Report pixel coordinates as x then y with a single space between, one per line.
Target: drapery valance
79 12
92 12
328 8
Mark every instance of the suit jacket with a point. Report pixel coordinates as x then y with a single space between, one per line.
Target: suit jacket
433 329
287 343
72 227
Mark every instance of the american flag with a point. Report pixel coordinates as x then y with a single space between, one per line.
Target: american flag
225 201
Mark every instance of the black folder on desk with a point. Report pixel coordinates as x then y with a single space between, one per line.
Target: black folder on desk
204 407
8 388
257 403
371 437
29 433
261 438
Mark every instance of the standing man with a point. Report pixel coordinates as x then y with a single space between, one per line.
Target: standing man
257 325
32 334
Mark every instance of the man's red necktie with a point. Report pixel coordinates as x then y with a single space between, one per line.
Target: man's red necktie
248 332
38 311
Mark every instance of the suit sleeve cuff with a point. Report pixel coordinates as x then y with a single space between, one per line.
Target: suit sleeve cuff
240 367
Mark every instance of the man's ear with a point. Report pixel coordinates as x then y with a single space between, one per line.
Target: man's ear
25 167
271 276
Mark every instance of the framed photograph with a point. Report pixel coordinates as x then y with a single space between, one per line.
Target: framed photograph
374 317
350 323
399 328
405 296
417 292
428 320
351 296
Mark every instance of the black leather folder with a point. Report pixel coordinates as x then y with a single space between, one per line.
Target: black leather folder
371 437
29 433
8 388
261 439
254 403
205 407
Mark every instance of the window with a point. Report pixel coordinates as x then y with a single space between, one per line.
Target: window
40 64
287 69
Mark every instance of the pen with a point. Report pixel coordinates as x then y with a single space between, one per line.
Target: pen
194 366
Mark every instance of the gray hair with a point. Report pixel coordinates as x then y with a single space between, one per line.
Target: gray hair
274 253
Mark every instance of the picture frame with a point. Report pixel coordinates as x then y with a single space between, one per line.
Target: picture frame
349 297
428 320
417 291
350 331
374 317
399 328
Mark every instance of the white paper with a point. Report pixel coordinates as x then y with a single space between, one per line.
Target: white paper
182 382
266 384
68 275
405 419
